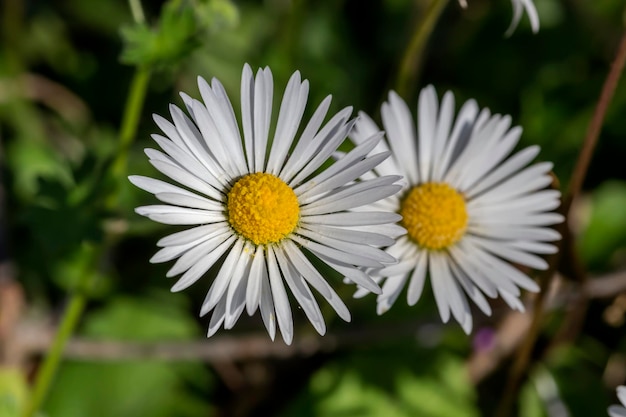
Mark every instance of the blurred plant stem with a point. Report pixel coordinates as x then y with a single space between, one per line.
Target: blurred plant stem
11 19
48 369
137 11
412 58
523 356
130 122
78 298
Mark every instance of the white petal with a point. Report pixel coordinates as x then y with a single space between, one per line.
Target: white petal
470 289
436 271
258 273
303 151
279 295
187 179
351 166
456 298
196 235
355 275
401 133
353 195
616 411
199 268
362 218
155 186
361 255
222 115
217 318
509 232
289 117
326 142
266 305
354 236
304 267
363 130
533 16
191 201
301 292
621 394
263 97
418 277
466 256
179 215
427 110
460 132
391 291
512 301
444 125
236 293
198 252
510 253
507 168
505 271
220 284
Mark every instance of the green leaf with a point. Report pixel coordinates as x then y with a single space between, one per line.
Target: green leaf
32 160
392 381
166 45
138 388
216 15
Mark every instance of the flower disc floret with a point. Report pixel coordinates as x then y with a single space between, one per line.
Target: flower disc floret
262 208
434 215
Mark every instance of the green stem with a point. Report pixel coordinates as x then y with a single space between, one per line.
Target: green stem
130 122
137 11
411 60
48 370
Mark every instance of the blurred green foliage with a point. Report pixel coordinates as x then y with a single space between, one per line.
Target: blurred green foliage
65 69
134 388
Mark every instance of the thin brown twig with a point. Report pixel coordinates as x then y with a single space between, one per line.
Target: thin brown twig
35 338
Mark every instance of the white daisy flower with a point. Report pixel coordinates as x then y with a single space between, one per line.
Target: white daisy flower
518 9
259 202
469 210
619 410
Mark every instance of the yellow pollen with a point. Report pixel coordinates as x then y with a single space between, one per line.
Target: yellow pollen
434 215
262 208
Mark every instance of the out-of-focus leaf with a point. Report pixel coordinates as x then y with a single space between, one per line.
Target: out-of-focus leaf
31 161
134 388
13 392
216 15
412 382
530 403
578 377
606 230
165 46
68 273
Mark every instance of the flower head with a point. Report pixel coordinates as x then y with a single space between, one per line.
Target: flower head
469 208
619 410
263 206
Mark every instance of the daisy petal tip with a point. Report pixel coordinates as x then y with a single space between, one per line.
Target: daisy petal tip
212 331
382 308
467 324
375 289
287 337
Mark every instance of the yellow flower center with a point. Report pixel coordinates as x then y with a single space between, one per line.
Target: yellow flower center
262 208
434 215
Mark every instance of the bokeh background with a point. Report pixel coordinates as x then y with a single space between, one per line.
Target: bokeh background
139 350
